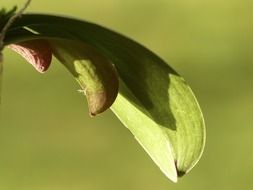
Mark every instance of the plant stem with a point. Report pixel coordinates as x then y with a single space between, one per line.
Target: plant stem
2 36
8 24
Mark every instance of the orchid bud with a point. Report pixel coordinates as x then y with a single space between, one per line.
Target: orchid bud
36 52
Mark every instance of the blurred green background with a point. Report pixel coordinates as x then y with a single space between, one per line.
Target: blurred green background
48 141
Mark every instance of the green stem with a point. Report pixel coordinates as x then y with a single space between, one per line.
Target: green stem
2 36
9 23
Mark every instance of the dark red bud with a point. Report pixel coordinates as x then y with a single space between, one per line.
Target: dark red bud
36 52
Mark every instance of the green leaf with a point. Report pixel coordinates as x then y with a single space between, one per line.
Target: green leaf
154 102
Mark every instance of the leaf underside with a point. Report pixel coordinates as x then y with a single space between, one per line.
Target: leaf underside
153 102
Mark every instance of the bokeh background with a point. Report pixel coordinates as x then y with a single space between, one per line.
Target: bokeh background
48 141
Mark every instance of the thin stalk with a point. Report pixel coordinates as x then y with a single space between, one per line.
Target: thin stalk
2 36
9 23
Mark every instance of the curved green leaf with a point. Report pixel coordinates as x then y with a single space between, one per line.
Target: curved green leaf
154 102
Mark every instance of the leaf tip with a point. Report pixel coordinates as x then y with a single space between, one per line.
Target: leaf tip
180 173
100 101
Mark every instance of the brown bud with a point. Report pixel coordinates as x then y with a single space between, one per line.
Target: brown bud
36 52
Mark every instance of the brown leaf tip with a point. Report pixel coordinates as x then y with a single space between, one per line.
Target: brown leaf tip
180 173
